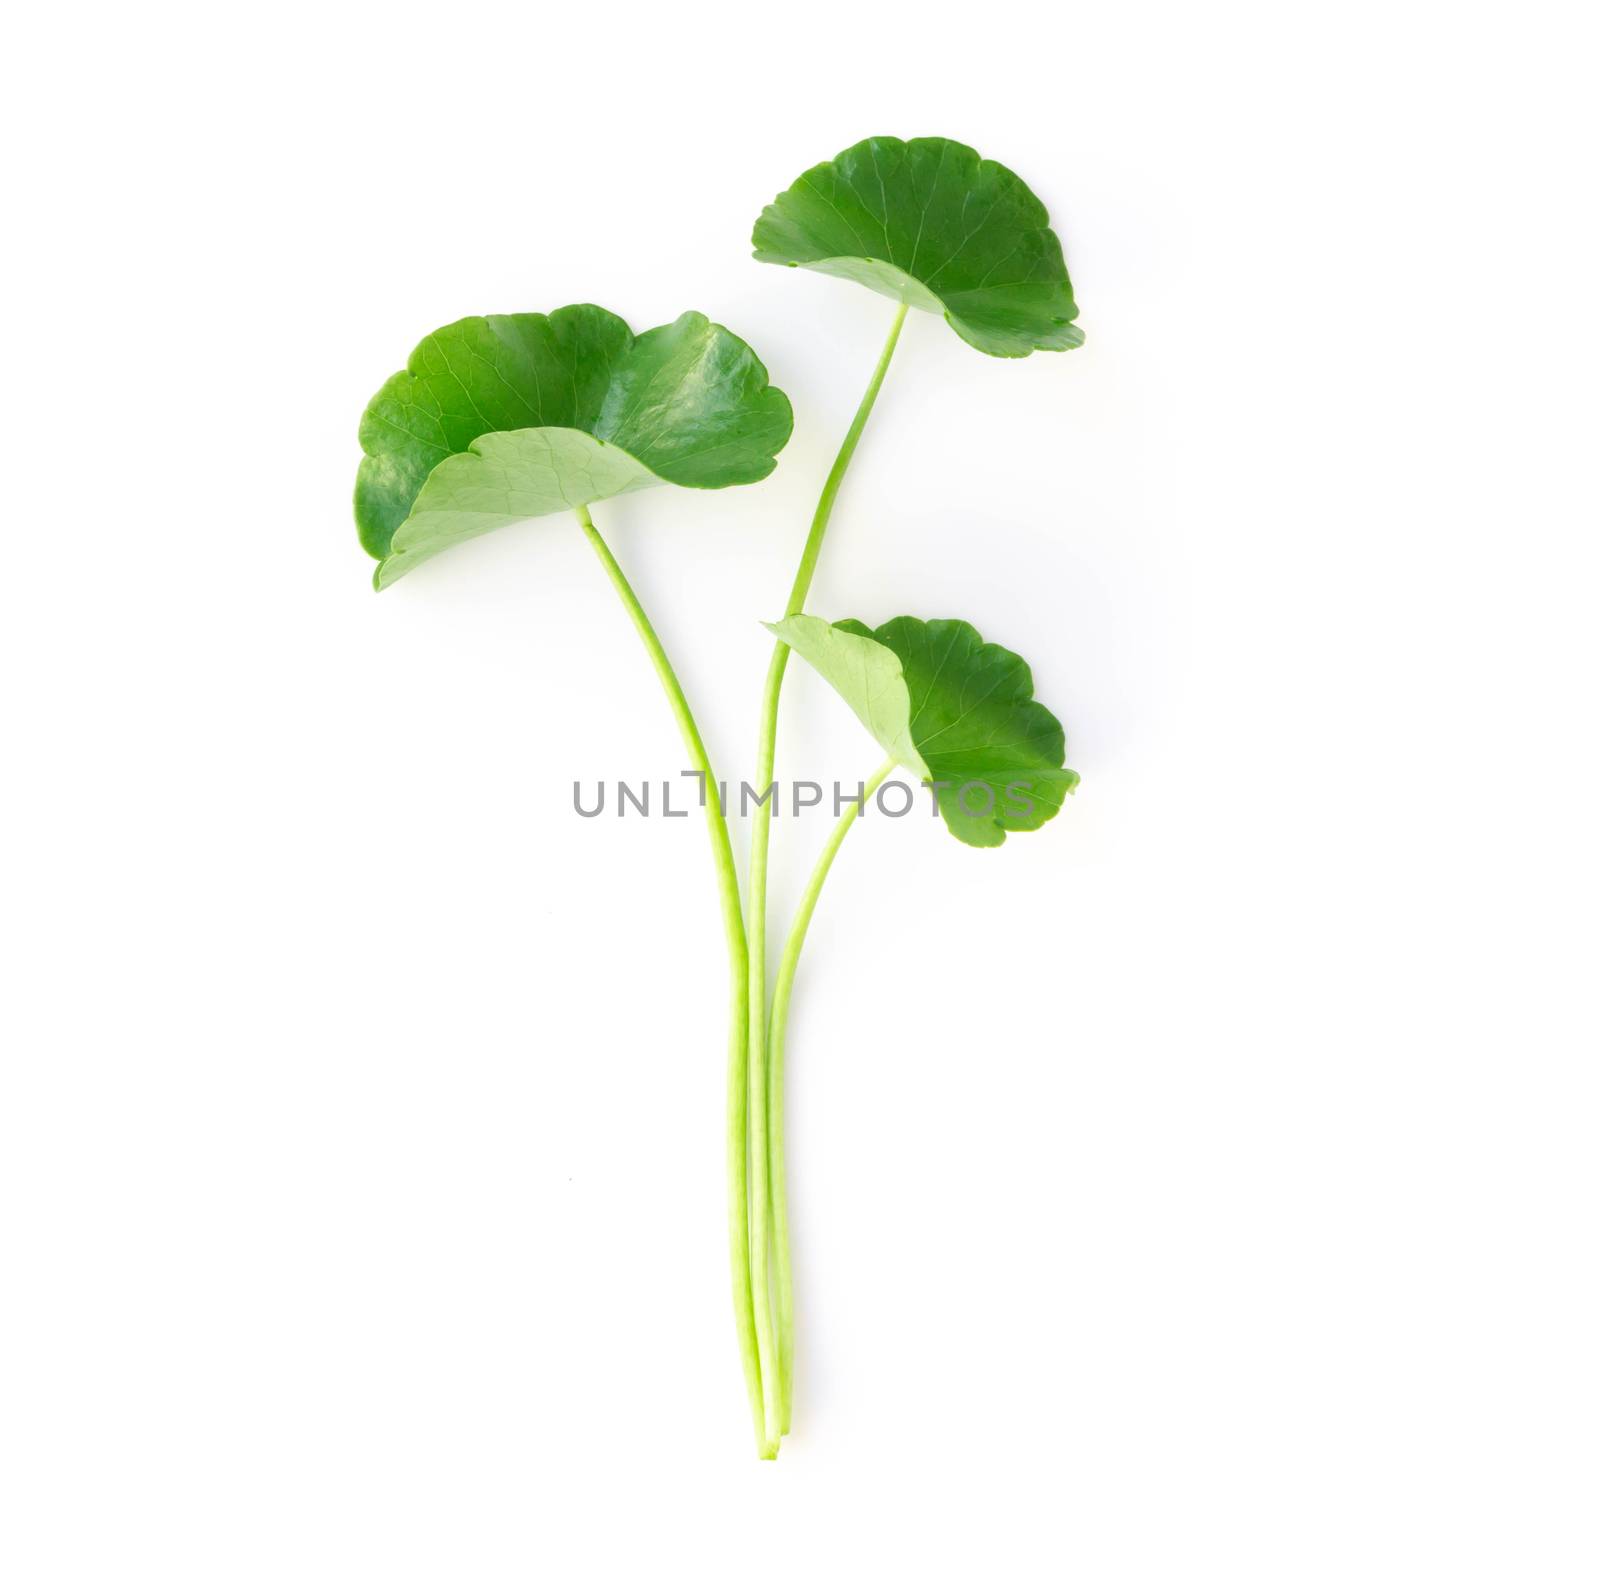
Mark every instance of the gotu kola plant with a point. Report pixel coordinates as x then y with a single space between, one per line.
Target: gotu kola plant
503 418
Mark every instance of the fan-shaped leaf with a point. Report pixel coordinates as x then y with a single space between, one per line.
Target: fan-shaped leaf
956 711
585 409
931 224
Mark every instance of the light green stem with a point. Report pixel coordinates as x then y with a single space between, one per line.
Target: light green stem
763 1169
783 1274
733 929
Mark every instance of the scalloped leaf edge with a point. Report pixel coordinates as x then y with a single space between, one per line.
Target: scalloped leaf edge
897 283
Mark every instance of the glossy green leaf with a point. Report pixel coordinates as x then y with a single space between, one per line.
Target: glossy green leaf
583 408
931 224
957 712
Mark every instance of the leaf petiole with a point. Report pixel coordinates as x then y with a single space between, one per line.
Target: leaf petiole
733 928
783 1276
766 1165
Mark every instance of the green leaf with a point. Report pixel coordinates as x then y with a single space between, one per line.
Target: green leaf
584 409
930 224
956 711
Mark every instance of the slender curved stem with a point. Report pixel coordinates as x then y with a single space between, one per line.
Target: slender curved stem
830 487
783 1274
733 928
760 838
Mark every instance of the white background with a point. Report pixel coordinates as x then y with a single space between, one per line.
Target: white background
1200 1191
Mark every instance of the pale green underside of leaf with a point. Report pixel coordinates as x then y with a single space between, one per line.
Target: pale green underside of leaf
890 280
503 478
954 710
867 675
931 224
